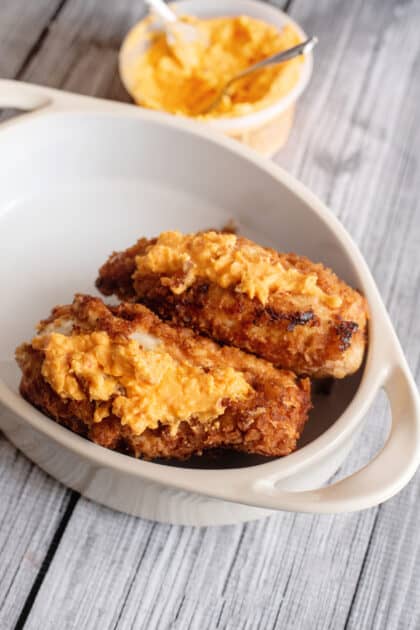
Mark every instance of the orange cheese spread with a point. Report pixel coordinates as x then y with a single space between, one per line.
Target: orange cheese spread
219 258
142 387
184 77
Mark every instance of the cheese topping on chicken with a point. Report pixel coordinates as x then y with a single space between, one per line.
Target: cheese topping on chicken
221 259
143 387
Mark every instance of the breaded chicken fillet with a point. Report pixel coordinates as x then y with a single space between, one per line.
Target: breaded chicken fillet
282 307
124 379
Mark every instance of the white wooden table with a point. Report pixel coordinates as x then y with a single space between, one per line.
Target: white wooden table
67 563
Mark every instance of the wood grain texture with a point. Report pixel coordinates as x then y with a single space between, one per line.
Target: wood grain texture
356 144
85 37
23 25
31 506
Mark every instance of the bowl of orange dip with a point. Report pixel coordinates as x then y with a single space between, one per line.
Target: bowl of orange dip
183 79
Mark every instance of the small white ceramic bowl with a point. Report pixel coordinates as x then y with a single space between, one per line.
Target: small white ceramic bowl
95 175
266 130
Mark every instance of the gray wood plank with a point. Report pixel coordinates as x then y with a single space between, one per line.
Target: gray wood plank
85 39
30 509
22 26
357 151
387 596
125 573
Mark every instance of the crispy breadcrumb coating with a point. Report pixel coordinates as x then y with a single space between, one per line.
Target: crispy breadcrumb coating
294 330
268 421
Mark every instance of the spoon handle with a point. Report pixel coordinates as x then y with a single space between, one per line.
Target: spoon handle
285 55
161 8
300 49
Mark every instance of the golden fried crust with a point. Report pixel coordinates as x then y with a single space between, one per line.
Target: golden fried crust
293 331
269 422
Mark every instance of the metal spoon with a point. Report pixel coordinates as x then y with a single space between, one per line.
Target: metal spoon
285 55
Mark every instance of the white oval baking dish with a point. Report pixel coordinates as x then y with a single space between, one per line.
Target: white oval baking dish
81 177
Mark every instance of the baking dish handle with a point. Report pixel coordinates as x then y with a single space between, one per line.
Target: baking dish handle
385 475
15 94
37 100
